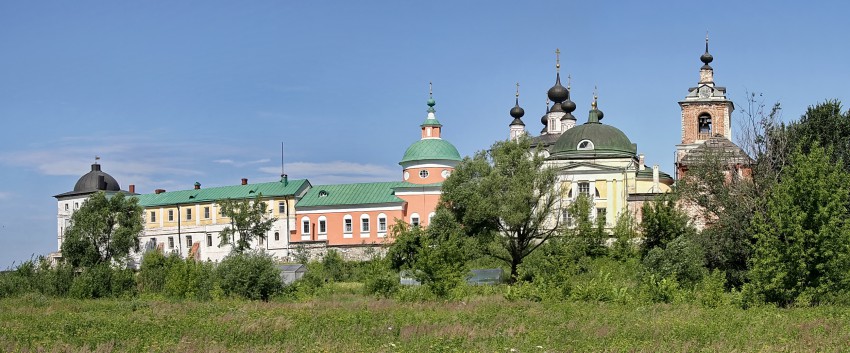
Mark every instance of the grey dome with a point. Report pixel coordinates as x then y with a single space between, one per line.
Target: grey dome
96 180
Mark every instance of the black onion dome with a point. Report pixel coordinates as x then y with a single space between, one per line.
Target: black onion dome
96 180
706 58
517 112
568 105
558 93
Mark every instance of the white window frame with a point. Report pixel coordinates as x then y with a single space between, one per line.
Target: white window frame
171 242
431 216
209 240
418 219
423 174
365 226
322 223
347 226
281 207
585 192
188 214
153 217
382 221
207 212
305 235
171 215
588 146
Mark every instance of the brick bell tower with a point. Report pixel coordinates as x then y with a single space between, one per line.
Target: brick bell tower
706 112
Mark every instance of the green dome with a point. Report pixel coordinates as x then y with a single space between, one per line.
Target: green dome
430 149
605 141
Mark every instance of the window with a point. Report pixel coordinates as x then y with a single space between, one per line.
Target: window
171 242
188 241
585 145
704 126
171 215
423 173
221 211
76 205
153 216
566 217
276 236
207 212
323 193
67 206
281 207
584 188
305 226
364 223
382 223
262 240
188 214
347 224
601 214
414 219
209 239
323 225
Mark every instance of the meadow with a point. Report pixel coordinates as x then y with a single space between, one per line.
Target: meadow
345 320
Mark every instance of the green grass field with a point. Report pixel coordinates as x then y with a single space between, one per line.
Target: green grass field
357 323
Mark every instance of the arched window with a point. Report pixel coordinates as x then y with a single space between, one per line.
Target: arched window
365 227
430 216
305 226
323 225
585 145
382 224
704 126
347 226
414 220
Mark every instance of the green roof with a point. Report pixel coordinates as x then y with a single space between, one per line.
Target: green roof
429 149
608 141
356 194
271 189
429 121
646 174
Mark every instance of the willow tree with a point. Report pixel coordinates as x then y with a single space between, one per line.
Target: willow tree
104 229
505 198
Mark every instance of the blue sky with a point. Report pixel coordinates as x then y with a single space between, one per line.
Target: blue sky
173 92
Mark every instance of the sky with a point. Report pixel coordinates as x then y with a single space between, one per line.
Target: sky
168 93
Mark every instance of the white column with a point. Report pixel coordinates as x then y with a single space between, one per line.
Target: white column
612 212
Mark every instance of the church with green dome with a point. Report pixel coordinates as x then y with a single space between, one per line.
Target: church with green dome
592 158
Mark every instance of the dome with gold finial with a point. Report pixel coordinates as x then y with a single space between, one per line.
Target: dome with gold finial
594 139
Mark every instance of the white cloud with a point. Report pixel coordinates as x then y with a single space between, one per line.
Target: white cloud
337 172
5 195
241 164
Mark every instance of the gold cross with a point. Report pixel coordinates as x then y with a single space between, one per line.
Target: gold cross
558 59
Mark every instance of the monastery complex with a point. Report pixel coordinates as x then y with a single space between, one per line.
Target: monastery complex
591 157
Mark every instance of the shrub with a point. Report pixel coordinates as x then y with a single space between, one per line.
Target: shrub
190 279
250 275
682 260
660 290
154 270
380 280
102 280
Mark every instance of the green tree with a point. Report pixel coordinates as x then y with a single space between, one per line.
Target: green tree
249 220
587 234
824 124
104 229
662 221
802 250
436 256
506 199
